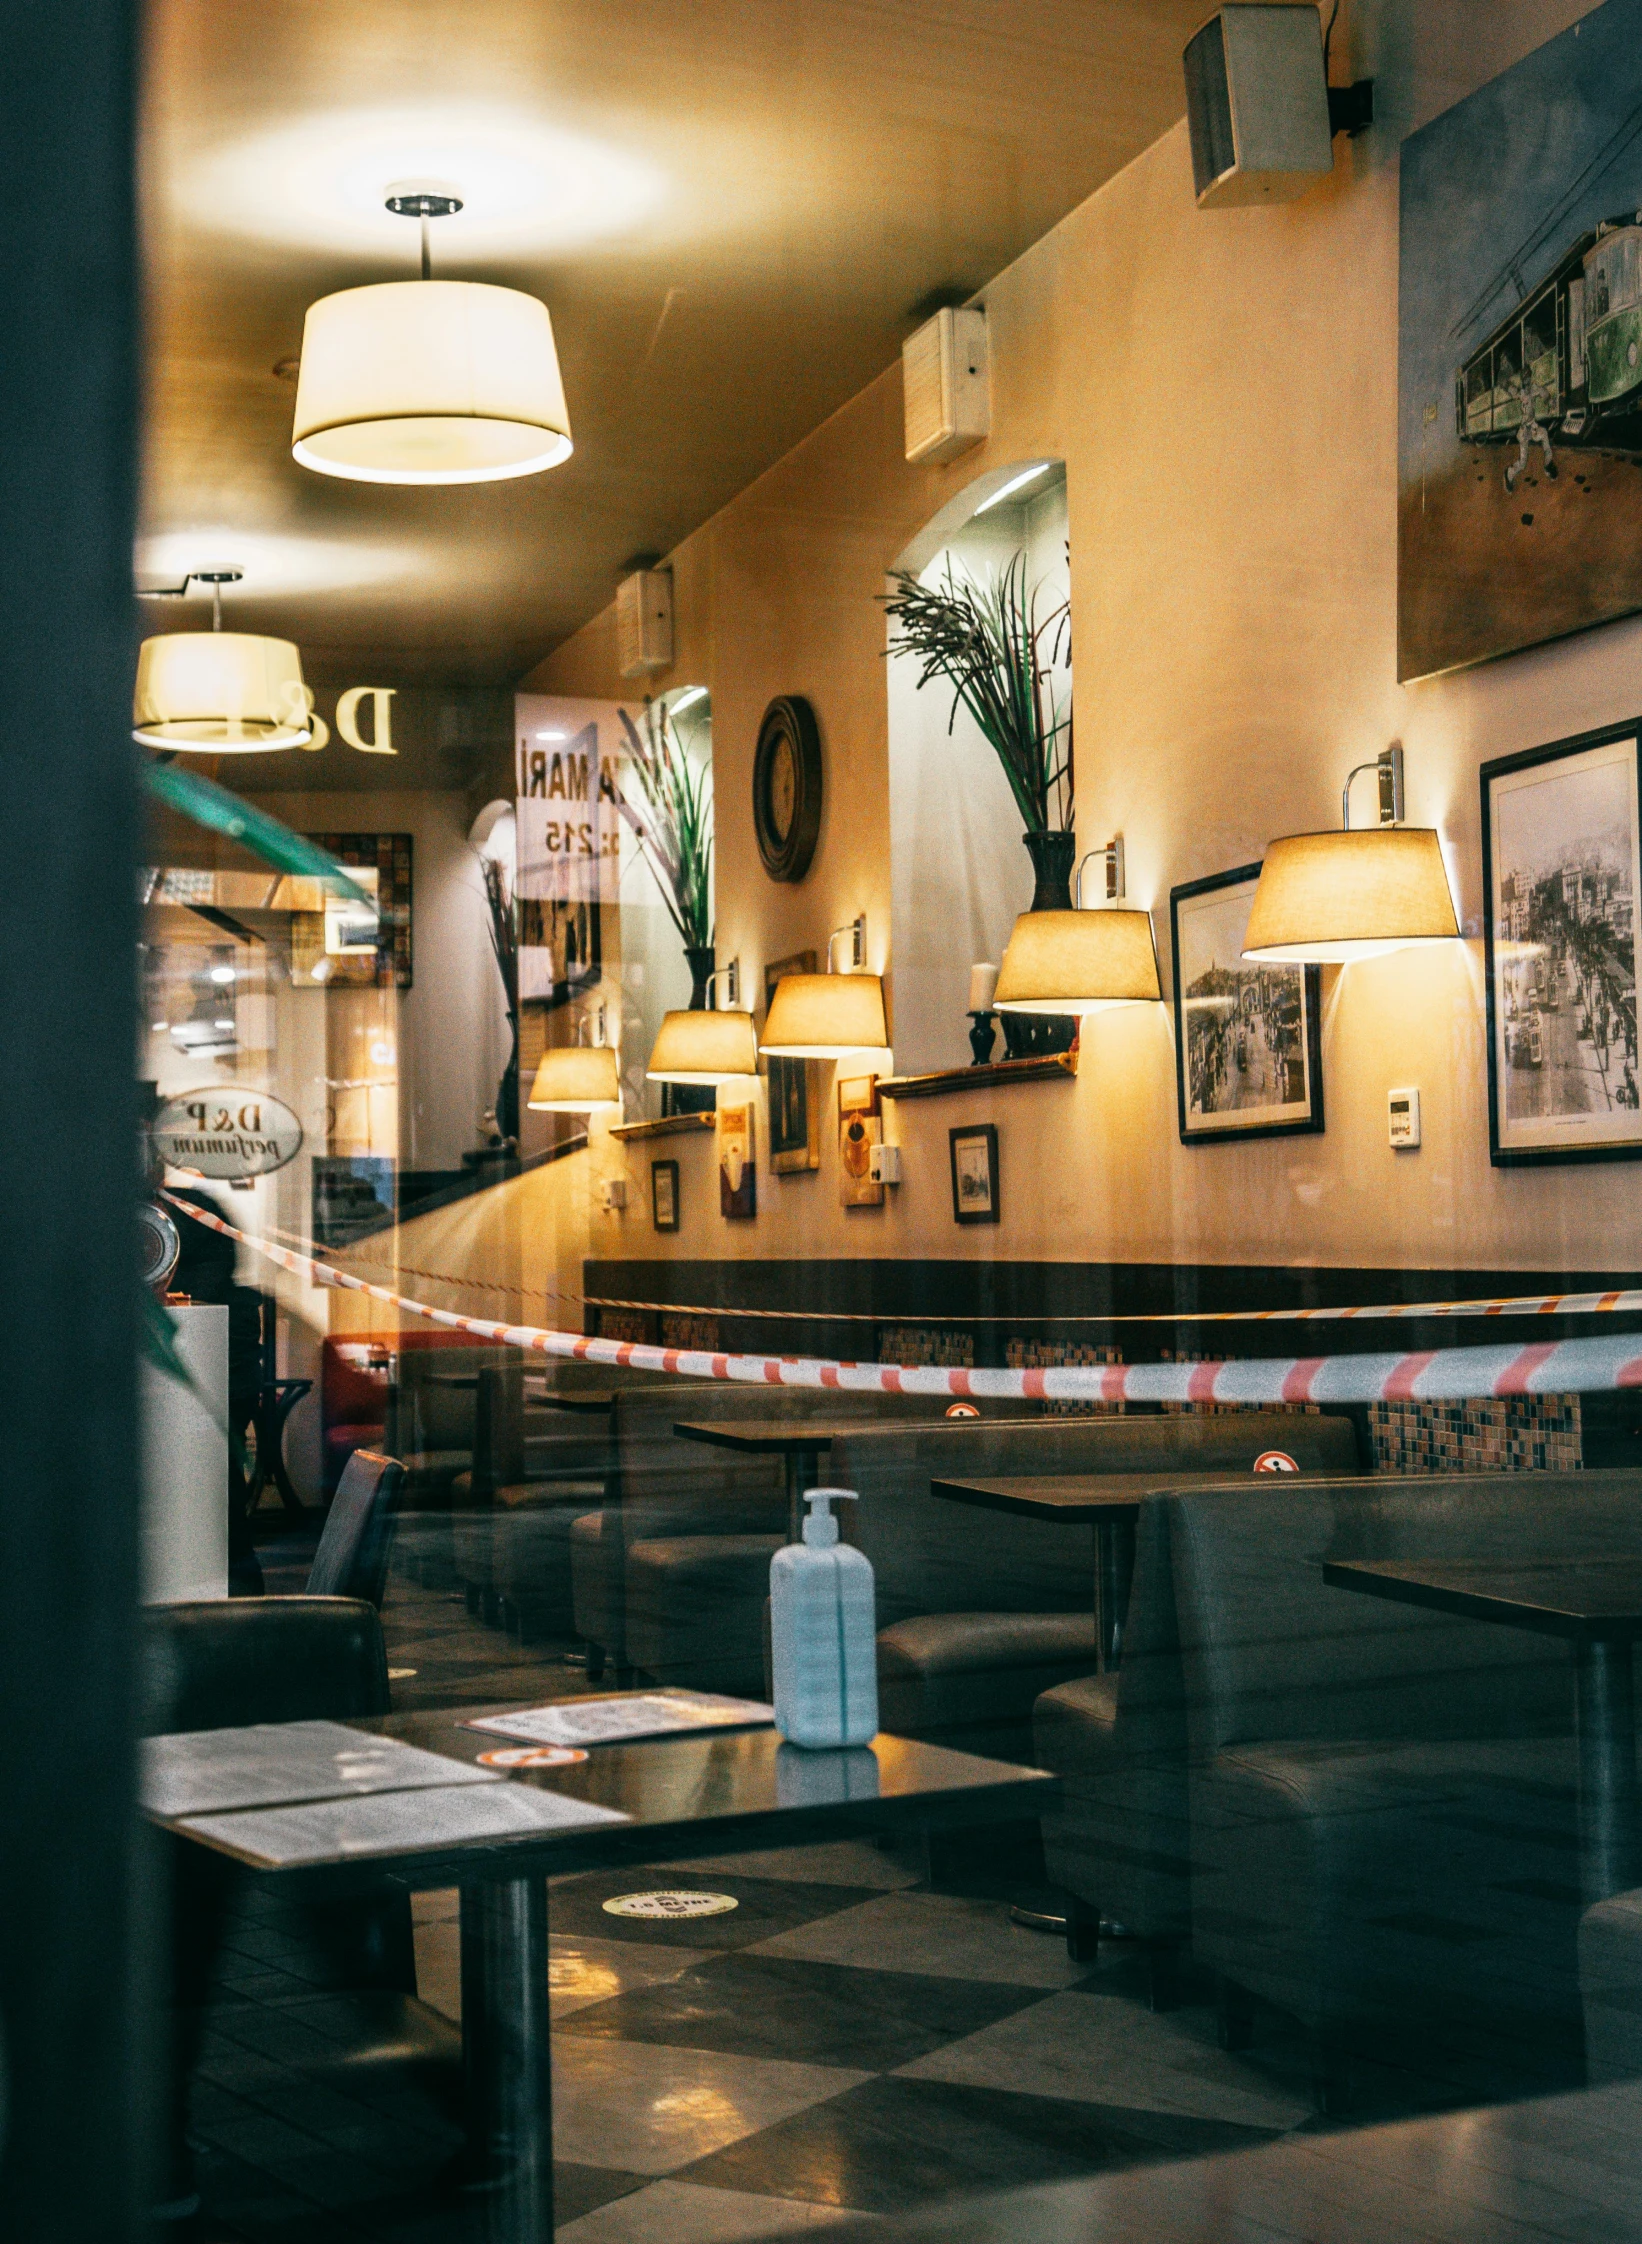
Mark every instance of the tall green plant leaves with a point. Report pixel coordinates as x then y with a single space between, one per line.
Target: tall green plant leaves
672 815
988 641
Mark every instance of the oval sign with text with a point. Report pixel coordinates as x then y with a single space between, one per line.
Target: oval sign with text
226 1133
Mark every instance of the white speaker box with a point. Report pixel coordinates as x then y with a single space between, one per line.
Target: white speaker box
644 623
1257 104
945 384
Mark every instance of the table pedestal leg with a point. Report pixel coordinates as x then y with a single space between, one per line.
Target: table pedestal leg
506 2060
1114 1571
803 1471
1606 1721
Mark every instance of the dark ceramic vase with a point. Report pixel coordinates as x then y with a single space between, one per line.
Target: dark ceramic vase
507 1091
701 959
1031 1036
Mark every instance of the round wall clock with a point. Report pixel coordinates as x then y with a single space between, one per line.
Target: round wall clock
787 787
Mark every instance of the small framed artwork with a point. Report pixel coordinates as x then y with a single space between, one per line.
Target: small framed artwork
664 1195
860 1128
795 1089
1248 1040
975 1173
737 1169
1560 857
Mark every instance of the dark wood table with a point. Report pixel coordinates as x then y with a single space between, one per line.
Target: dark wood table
800 1443
1595 1604
696 1794
1564 2170
592 1402
1108 1502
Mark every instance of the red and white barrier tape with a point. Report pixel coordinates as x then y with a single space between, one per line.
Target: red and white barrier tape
1436 1375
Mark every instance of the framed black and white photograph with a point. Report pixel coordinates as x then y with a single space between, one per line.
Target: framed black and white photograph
1248 1041
1560 855
975 1173
664 1195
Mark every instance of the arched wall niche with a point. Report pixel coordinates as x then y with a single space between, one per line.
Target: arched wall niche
958 871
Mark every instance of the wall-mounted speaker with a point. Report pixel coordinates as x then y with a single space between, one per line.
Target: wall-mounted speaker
1257 104
945 385
644 623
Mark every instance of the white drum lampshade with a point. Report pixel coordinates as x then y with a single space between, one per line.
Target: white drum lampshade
704 1048
1325 899
576 1079
220 693
825 1017
429 382
1079 962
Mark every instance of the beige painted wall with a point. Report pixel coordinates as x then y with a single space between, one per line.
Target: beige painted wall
1223 390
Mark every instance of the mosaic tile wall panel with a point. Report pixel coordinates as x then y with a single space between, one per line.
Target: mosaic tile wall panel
926 1344
680 1331
1038 1355
1524 1434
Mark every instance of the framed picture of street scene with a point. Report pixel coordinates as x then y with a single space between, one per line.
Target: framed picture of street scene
1520 390
1560 855
1248 1046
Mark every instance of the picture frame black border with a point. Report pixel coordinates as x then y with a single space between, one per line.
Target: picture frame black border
1312 998
788 858
1501 767
988 1131
656 1167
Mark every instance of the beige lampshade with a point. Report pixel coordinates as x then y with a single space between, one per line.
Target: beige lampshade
220 693
1078 962
576 1079
1325 899
823 1016
703 1048
429 382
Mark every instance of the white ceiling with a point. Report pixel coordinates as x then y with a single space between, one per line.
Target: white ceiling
734 210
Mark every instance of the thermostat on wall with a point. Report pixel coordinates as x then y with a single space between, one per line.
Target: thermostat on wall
1404 1109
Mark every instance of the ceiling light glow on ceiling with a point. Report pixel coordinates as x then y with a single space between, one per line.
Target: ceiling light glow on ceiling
528 186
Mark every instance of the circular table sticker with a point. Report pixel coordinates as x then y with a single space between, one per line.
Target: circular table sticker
671 1903
1275 1461
532 1757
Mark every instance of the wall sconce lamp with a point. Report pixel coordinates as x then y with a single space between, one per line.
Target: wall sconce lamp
1082 961
578 1078
730 976
826 1016
216 692
1326 899
703 1048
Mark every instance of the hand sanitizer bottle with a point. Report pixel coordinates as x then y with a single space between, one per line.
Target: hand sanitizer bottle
823 1633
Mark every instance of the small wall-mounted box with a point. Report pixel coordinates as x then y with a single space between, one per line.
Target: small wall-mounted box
884 1164
1257 105
644 623
946 388
613 1194
1403 1111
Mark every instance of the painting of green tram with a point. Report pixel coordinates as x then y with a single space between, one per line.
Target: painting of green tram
1520 416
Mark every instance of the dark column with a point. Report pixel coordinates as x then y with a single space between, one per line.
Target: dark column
68 1465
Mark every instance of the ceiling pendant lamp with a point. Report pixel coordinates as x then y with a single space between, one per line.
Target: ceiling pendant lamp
429 381
1326 899
216 692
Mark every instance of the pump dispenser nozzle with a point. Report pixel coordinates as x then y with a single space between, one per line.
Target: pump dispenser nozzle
821 1529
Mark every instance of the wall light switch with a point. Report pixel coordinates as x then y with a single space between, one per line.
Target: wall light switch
884 1164
1404 1111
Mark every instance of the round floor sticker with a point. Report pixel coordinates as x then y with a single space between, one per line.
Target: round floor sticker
532 1757
671 1903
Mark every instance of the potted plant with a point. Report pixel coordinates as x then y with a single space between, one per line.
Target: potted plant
671 811
989 641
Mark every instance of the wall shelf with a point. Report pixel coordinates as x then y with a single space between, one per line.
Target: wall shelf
669 1126
1058 1067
